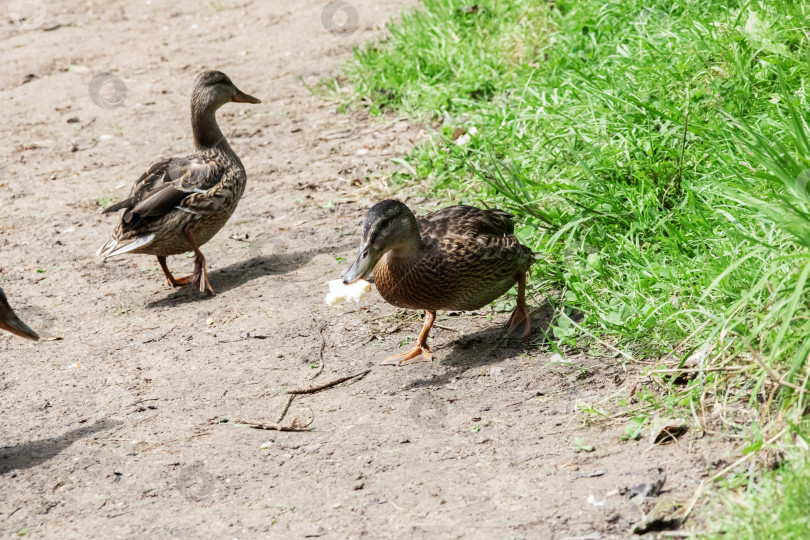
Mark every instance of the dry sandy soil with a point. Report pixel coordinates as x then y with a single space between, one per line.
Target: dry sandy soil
114 425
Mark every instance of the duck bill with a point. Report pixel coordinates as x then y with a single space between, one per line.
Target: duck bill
242 97
19 328
363 265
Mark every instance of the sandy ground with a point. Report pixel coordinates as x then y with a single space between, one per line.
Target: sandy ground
114 425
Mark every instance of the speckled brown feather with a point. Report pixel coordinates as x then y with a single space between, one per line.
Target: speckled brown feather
469 257
199 191
196 193
167 183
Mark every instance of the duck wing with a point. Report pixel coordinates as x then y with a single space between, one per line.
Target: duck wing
166 184
470 235
463 220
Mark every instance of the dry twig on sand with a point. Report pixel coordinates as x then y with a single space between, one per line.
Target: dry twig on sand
295 425
320 351
330 384
292 393
286 408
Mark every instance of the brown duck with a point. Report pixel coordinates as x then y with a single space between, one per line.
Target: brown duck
10 322
458 258
179 204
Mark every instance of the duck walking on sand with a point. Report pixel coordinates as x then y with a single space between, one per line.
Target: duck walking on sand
10 322
459 258
179 204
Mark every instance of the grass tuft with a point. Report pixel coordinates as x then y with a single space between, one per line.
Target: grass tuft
657 151
776 508
651 149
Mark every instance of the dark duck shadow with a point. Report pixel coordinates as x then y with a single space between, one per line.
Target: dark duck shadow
237 274
31 454
486 347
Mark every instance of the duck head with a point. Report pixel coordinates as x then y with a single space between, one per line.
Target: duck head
10 322
389 226
213 89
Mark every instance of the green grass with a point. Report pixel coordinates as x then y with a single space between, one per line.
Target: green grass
634 141
447 59
777 508
657 151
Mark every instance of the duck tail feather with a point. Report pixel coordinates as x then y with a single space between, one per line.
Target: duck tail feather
113 247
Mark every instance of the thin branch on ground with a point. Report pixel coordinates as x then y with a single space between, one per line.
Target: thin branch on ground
448 328
733 369
330 384
295 425
286 408
320 351
746 457
775 377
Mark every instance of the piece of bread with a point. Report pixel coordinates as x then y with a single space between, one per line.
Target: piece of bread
354 292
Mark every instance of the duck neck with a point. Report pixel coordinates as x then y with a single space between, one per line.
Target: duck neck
410 250
207 134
